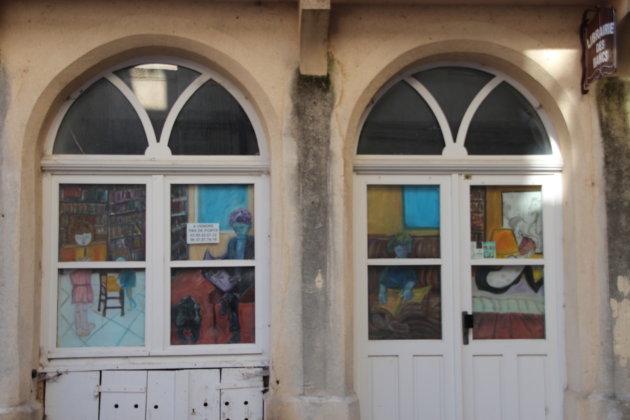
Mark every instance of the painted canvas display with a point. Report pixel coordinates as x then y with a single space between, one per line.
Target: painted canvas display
221 215
411 210
506 221
100 308
99 222
508 302
212 306
404 303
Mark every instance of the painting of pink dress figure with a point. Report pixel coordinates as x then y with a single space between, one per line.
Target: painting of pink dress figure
82 298
82 293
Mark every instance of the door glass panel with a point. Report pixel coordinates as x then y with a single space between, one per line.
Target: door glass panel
102 222
210 222
100 308
212 305
506 221
403 221
508 302
404 302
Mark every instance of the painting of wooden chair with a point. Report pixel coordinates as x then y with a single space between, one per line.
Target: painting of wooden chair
111 295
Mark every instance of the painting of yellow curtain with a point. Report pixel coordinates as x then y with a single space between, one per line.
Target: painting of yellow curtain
412 210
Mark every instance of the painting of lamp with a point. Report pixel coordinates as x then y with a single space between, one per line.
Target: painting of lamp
505 241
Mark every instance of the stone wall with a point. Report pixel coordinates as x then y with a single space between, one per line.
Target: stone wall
613 97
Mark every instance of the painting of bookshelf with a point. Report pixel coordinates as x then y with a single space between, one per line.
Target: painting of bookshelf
101 222
179 218
83 223
126 238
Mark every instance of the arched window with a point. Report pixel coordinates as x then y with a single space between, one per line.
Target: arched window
156 224
153 108
452 112
457 249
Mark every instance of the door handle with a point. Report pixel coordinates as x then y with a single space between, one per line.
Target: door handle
467 325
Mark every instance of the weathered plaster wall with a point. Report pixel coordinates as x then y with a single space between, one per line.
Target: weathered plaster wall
17 390
311 128
325 384
613 96
313 102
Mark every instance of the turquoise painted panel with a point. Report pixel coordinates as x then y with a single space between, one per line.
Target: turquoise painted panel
217 202
421 206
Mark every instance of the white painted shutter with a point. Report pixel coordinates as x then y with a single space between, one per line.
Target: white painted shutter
123 395
72 396
241 394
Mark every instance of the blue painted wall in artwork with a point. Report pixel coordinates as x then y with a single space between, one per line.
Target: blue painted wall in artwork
216 202
421 206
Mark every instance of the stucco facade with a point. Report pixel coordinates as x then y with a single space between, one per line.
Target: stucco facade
311 123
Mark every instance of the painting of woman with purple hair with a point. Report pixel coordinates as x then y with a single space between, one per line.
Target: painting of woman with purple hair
240 247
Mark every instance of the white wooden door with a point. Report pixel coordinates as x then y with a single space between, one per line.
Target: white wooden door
404 298
510 281
433 248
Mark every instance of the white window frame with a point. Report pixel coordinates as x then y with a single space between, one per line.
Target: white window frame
157 169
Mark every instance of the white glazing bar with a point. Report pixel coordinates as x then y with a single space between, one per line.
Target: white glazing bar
137 106
507 261
404 261
178 105
51 236
472 109
212 263
154 336
101 264
139 165
403 165
435 108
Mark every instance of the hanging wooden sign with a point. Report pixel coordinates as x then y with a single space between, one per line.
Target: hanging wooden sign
598 34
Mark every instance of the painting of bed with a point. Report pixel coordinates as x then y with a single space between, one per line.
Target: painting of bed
508 300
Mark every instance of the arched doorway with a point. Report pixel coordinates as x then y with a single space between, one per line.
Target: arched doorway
457 250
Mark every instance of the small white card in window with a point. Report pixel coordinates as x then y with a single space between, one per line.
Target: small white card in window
202 233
